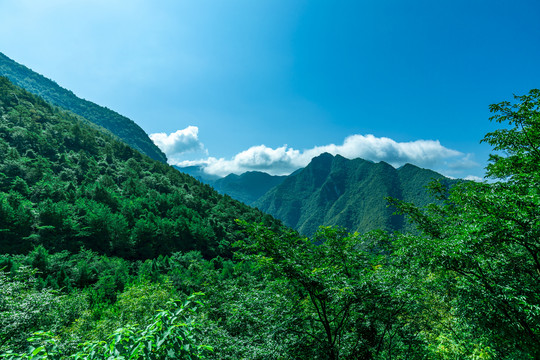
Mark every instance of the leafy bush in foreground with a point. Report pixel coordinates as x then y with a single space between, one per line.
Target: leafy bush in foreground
169 335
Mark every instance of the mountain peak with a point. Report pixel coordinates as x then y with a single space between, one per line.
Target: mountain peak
334 190
322 158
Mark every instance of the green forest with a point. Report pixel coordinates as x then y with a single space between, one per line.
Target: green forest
126 129
109 254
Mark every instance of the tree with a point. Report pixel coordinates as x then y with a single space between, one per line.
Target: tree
24 309
169 334
339 290
484 239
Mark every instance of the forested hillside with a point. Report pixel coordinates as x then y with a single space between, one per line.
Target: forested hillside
333 190
67 185
127 130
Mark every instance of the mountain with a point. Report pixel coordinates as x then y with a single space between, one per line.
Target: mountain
66 184
127 130
198 173
248 187
333 190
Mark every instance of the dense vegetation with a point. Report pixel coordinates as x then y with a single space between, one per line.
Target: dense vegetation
333 190
66 185
127 130
464 286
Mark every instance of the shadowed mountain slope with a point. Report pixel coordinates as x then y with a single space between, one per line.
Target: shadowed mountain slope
248 187
66 184
333 190
127 130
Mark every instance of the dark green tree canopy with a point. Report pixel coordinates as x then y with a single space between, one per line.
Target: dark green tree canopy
485 239
126 129
66 183
520 143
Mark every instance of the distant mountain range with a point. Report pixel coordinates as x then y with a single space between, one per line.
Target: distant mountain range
332 190
124 128
247 187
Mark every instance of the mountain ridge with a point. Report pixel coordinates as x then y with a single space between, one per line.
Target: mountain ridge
333 190
67 185
126 129
247 187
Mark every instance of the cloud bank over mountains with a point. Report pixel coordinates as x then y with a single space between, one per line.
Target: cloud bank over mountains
178 143
284 160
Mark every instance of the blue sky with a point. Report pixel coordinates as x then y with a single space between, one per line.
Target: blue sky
265 85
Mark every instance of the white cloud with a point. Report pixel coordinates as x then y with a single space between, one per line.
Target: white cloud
284 160
178 143
473 178
466 162
420 152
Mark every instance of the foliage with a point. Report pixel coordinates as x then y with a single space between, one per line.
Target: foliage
520 143
97 238
24 309
169 335
339 291
124 128
484 240
65 185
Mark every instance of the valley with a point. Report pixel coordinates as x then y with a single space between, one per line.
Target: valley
106 251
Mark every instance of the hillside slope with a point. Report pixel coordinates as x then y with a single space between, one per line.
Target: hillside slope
333 190
66 185
127 130
248 187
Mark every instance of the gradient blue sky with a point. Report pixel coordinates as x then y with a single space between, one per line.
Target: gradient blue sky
255 84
